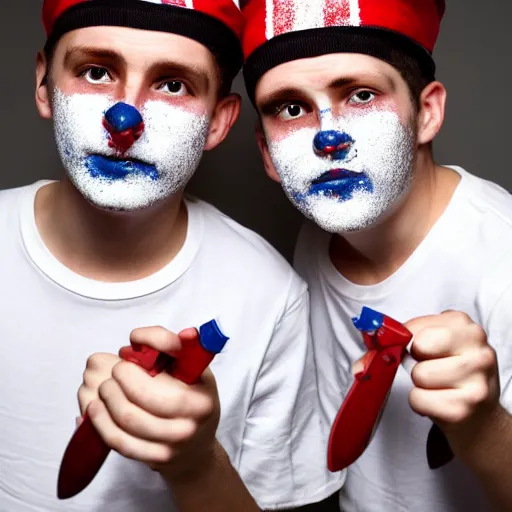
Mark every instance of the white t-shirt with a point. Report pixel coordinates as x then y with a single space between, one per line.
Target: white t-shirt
465 264
52 320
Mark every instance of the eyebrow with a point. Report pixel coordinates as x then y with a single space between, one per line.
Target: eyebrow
79 52
163 67
193 73
284 94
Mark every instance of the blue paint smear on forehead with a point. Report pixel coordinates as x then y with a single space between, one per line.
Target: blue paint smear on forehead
113 170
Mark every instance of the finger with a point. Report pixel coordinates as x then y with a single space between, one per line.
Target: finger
125 444
139 423
102 362
432 343
441 405
156 337
164 396
446 373
85 397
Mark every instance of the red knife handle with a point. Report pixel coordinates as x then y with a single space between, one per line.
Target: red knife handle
356 420
86 452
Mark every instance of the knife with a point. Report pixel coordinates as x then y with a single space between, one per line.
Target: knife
86 451
357 420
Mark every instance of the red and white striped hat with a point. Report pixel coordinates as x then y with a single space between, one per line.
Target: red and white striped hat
217 24
279 31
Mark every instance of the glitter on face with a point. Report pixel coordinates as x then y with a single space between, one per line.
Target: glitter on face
354 191
157 166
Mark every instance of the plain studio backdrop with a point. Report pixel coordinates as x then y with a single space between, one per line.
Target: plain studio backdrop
473 58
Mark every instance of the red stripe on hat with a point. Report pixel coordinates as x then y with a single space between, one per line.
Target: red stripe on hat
337 12
52 9
225 11
417 19
254 34
284 16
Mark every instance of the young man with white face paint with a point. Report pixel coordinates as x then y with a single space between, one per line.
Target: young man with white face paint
349 106
137 90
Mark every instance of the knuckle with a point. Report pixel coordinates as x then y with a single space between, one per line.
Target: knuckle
458 317
128 419
488 357
92 361
476 332
105 389
477 394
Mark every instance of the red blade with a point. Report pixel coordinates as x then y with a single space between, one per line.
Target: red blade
84 456
86 452
356 421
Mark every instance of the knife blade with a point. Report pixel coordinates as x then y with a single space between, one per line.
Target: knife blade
357 420
86 451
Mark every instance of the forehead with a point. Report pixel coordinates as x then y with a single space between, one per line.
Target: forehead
139 45
319 73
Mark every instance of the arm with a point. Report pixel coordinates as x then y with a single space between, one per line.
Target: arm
458 386
214 487
490 455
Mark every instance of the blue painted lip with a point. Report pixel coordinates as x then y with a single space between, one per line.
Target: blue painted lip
115 169
341 183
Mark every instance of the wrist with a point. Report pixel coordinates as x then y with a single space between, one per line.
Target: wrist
473 440
197 468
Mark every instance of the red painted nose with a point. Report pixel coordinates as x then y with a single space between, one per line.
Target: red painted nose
124 125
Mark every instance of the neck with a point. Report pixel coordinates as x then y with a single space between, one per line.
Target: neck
370 256
108 246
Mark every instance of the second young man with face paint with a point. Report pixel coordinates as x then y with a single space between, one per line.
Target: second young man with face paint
137 90
349 107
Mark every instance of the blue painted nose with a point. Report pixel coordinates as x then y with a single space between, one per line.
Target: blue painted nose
124 125
331 141
122 117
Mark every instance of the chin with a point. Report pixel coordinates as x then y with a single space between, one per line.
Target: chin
360 213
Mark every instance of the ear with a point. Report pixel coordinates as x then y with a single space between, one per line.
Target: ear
432 111
224 117
42 96
265 154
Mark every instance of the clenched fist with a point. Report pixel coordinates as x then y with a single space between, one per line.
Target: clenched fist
160 421
456 379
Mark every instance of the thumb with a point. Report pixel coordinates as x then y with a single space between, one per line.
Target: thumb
158 338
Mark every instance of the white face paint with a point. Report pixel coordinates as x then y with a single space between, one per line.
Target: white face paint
160 163
362 183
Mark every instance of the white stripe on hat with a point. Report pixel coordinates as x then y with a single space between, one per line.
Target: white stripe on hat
292 15
269 20
309 14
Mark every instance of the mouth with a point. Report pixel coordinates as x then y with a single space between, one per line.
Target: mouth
113 168
340 184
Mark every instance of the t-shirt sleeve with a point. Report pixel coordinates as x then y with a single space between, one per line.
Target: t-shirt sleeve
499 335
284 454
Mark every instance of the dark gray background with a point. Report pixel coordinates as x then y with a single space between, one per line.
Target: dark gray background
473 56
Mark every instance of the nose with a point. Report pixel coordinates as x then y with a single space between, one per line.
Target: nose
124 125
332 141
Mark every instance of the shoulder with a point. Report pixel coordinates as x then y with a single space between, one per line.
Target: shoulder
490 202
11 203
244 256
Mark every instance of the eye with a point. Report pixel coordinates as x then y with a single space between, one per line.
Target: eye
362 97
174 88
292 111
97 75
